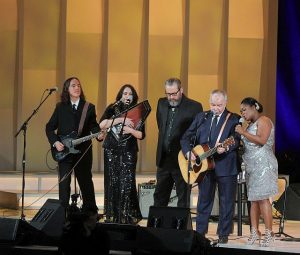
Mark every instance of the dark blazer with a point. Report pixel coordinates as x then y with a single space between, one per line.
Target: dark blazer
226 163
187 110
65 121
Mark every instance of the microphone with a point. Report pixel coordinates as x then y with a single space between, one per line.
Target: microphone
129 99
52 89
241 121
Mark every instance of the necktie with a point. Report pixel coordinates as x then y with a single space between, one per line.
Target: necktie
213 127
74 107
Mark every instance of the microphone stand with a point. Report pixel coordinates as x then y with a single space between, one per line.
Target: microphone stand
112 123
190 160
189 173
122 148
119 143
122 127
74 197
282 218
113 119
239 205
24 129
108 131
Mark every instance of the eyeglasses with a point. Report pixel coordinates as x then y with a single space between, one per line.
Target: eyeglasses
172 94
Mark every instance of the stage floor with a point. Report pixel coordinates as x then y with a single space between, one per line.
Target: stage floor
281 244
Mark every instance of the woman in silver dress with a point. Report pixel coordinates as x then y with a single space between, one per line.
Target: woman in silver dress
261 167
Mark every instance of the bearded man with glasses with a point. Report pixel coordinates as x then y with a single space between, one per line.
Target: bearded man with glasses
174 114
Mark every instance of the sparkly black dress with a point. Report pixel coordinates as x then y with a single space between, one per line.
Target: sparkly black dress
120 158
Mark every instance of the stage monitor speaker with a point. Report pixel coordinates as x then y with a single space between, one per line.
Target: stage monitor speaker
50 218
292 202
17 231
170 241
146 191
170 217
117 237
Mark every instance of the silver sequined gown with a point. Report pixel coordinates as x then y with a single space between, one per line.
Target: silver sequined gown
261 167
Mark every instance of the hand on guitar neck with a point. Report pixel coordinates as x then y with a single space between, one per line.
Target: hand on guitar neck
60 146
221 148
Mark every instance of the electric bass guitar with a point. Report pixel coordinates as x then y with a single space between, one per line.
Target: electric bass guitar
203 161
70 141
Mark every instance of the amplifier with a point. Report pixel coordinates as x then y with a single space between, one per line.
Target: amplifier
145 193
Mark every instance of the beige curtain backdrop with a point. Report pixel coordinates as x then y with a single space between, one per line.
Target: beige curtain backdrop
226 44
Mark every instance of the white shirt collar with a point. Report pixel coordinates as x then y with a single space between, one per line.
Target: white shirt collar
219 116
76 103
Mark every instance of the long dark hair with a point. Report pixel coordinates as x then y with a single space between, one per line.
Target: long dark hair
253 102
65 96
135 97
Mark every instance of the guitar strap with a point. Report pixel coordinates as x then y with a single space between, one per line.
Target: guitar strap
82 119
222 129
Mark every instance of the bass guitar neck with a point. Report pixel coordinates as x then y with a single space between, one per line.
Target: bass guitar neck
69 142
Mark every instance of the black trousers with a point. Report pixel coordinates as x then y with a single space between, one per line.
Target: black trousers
83 173
165 179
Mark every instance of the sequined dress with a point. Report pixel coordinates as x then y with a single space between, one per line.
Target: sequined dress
261 167
120 194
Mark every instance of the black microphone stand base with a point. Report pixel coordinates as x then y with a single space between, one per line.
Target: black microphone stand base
293 239
281 232
73 208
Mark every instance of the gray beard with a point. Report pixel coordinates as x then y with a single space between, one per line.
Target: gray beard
174 103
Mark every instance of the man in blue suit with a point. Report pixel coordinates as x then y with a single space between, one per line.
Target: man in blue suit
212 128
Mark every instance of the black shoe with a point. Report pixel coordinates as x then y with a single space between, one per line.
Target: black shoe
223 239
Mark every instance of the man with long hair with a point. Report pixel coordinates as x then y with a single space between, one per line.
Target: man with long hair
64 121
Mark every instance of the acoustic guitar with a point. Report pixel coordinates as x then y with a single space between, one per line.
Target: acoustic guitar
70 141
203 161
